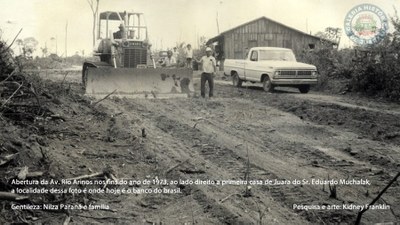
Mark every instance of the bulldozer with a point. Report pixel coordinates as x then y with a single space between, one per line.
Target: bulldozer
126 67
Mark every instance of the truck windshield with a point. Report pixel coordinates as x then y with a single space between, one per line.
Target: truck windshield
278 55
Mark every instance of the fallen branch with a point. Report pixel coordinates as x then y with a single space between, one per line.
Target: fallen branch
62 82
11 96
112 177
87 176
66 221
172 168
227 197
376 199
11 196
188 171
34 174
105 97
6 159
108 172
56 117
11 74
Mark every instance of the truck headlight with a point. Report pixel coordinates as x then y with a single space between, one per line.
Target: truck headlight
277 73
314 73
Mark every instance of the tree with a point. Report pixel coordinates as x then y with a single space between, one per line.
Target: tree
29 46
44 51
20 43
331 34
94 6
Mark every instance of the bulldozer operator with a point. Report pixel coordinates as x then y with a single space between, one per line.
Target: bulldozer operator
119 34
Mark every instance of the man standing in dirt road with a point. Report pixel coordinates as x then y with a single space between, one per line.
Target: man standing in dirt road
209 65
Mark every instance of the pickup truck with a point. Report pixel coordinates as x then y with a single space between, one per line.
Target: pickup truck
272 67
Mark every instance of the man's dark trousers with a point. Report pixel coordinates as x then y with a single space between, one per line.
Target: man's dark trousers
207 77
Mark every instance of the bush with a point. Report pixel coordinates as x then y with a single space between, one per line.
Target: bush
377 68
372 70
7 64
332 65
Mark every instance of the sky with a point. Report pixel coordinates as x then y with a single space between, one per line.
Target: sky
169 21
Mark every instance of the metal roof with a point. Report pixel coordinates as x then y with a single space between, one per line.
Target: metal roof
211 40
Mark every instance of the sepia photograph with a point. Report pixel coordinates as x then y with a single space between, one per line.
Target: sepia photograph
211 112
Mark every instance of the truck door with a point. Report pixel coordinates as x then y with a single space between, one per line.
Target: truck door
250 66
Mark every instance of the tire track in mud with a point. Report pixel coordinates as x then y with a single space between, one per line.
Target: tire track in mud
374 145
311 154
383 126
376 126
227 159
209 203
223 162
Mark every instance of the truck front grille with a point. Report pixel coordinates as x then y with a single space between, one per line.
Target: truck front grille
288 72
304 72
293 74
134 57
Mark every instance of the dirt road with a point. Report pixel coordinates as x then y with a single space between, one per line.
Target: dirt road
288 136
241 133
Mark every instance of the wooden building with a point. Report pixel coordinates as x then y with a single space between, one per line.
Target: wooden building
233 43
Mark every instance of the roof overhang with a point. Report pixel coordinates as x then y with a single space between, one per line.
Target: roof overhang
218 38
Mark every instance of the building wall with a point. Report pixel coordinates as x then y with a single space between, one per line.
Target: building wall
264 33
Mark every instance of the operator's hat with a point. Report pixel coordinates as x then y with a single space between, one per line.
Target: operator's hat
208 49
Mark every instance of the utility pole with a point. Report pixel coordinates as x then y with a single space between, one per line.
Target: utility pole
217 23
66 35
56 45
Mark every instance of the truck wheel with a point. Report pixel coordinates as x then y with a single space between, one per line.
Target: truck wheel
304 89
237 82
267 85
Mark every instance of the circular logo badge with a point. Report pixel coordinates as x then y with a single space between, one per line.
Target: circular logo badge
366 24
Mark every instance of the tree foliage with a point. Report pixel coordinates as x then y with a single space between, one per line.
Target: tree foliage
373 70
29 46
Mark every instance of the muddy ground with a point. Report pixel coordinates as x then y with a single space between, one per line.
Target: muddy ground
242 132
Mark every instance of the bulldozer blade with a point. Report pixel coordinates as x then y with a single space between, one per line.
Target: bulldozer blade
139 83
